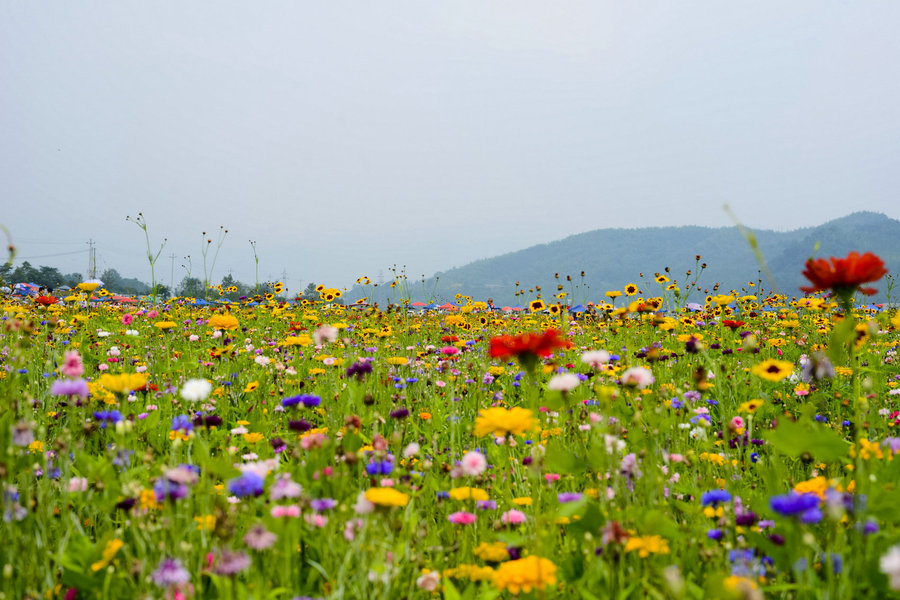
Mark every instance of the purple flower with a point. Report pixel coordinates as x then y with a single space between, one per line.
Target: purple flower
165 489
301 425
170 572
322 504
399 413
260 538
231 563
202 420
248 484
70 387
182 422
486 505
714 534
565 497
359 369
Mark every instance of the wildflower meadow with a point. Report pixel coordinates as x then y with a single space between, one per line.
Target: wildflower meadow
656 442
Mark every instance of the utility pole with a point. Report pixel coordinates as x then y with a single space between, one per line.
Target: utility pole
92 260
172 276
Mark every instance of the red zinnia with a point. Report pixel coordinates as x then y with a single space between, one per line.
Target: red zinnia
46 300
844 275
537 344
732 324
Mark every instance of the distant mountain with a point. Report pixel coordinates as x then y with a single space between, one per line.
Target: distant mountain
612 258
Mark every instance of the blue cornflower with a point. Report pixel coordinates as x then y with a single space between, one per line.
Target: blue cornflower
714 497
182 422
379 467
248 484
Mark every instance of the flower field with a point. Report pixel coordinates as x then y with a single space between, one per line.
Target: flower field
738 447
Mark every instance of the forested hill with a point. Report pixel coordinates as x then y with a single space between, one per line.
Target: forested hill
611 258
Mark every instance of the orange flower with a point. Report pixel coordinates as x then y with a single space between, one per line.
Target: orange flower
844 275
542 344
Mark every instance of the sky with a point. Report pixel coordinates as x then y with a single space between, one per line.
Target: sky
347 137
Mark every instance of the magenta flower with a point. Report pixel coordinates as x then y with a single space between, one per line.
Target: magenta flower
462 518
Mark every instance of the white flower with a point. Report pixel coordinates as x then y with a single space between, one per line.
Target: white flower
363 506
564 382
196 390
325 333
474 463
429 581
411 450
131 332
889 564
261 360
595 358
639 377
113 351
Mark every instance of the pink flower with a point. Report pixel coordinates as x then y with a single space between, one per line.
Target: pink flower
152 314
462 518
291 510
127 318
513 517
474 463
449 350
102 367
72 365
316 520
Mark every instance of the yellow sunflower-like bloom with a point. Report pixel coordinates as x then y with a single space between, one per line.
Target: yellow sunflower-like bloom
227 322
773 370
385 496
525 574
468 493
499 422
123 383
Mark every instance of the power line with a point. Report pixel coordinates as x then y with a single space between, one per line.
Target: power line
50 255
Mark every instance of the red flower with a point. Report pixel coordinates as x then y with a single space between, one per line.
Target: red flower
844 275
529 343
732 324
46 300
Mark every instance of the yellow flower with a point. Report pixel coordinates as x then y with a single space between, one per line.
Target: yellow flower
123 383
772 369
386 496
523 501
500 422
468 493
207 522
296 340
36 447
164 325
86 286
397 360
253 437
630 290
496 371
750 406
722 299
251 386
148 500
225 321
470 572
525 574
816 485
647 545
491 552
112 547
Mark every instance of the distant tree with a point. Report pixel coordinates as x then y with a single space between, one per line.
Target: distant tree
24 273
163 291
189 286
310 292
112 281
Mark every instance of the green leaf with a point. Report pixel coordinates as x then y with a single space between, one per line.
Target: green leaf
840 340
561 460
794 439
450 591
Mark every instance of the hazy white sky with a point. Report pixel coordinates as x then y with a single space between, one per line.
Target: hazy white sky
347 136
